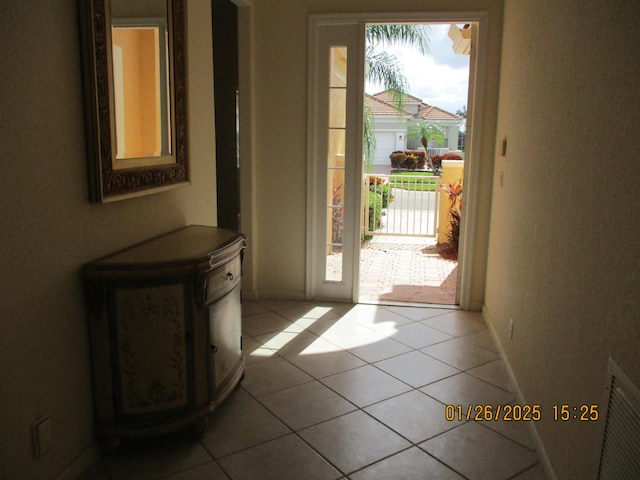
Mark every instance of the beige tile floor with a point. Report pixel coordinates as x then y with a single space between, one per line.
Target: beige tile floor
337 391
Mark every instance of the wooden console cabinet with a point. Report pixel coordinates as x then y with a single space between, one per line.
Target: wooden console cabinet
165 325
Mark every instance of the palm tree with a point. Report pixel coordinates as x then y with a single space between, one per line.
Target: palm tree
427 132
384 68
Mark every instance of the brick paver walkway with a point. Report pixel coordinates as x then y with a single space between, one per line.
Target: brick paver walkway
406 269
402 269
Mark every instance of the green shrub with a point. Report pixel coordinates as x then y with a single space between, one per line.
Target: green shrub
378 186
397 159
454 192
375 214
375 211
435 164
402 161
380 194
410 163
420 155
387 196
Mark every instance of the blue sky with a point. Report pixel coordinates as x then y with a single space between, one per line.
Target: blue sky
440 79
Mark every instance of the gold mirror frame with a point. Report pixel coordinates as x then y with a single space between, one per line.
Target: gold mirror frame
106 183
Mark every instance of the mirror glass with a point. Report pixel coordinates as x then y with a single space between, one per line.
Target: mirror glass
135 100
140 53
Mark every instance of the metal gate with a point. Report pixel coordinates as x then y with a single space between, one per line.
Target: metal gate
401 205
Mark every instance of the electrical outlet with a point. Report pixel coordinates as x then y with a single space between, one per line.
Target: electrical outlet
511 328
42 435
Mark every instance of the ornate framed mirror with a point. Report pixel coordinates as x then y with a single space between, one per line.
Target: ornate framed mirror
135 98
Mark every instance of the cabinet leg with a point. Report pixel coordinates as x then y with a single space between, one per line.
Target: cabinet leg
200 428
109 445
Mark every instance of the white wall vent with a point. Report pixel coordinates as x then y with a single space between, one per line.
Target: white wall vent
620 454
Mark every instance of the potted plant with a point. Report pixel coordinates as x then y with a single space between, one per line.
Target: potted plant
454 192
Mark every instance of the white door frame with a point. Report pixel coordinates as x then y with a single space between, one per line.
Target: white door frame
325 32
472 149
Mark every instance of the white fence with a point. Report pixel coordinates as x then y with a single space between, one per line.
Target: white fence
406 206
437 151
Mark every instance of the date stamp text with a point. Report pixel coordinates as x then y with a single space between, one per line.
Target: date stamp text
520 413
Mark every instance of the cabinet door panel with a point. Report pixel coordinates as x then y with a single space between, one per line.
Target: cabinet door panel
151 349
225 323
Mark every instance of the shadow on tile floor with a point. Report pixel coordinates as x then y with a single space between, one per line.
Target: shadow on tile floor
337 391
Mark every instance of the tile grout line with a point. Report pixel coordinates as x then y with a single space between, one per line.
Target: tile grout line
362 409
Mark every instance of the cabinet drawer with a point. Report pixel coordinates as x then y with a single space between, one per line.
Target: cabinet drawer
222 279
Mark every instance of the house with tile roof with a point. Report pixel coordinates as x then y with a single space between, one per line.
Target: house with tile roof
391 125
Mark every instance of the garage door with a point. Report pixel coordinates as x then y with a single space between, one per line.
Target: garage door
385 144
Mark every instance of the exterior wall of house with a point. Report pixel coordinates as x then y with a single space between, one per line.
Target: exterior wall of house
391 133
451 137
385 126
49 229
564 251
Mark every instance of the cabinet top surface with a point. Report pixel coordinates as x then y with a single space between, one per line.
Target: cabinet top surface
187 244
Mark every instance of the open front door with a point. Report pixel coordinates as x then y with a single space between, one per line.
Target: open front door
335 160
335 157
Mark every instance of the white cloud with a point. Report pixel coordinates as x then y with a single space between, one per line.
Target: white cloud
440 79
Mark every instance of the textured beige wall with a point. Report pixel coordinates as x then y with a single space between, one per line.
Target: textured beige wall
564 246
280 138
48 228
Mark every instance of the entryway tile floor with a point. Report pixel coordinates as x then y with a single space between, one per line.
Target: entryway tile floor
340 391
406 269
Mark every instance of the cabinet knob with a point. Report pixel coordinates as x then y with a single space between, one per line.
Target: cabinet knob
230 276
214 349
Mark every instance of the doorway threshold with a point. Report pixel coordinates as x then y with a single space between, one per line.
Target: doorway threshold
406 271
390 303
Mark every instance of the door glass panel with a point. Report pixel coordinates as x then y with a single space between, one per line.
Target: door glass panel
335 158
336 130
338 67
335 197
337 107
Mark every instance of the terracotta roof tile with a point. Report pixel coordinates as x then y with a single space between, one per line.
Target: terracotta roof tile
387 96
429 112
380 107
382 104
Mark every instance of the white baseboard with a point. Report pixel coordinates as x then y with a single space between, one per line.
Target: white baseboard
475 306
537 440
80 465
248 296
280 295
